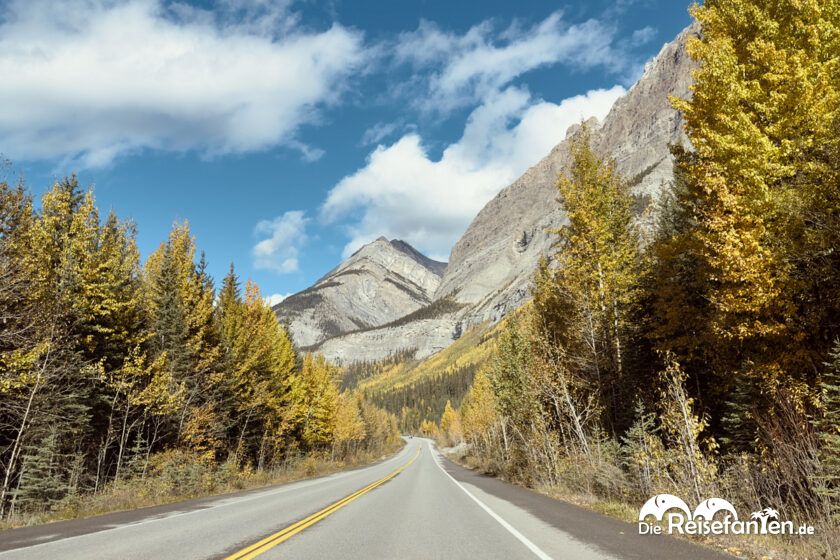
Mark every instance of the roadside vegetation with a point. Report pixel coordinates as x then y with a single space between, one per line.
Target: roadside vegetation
704 361
124 384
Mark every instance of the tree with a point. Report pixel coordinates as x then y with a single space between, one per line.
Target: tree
683 429
761 188
262 360
450 424
181 314
510 374
644 454
315 397
479 416
41 483
349 426
598 260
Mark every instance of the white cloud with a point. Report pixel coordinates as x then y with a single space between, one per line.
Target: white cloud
378 132
465 69
280 243
643 36
402 192
90 80
274 299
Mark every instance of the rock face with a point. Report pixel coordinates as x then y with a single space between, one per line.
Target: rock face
381 282
491 266
423 336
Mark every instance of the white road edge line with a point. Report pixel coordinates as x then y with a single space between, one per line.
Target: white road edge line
287 487
522 538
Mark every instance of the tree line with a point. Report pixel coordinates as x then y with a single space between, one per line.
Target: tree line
703 359
107 362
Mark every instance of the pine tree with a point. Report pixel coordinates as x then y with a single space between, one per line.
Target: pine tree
42 483
644 454
168 322
229 313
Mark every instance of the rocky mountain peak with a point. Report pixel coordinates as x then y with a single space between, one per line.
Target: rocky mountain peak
382 281
491 266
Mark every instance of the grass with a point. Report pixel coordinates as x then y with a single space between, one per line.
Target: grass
175 478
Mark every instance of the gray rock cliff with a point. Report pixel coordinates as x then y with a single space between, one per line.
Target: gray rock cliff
491 266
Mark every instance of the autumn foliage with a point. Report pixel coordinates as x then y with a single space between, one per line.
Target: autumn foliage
108 366
702 359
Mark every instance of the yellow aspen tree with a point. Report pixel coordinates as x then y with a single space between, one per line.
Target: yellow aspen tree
315 400
765 97
264 363
450 424
599 265
479 417
349 426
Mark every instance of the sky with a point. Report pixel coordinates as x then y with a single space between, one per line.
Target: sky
289 133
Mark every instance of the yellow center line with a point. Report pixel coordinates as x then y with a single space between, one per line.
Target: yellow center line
282 536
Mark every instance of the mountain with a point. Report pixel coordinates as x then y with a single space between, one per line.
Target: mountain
379 283
491 266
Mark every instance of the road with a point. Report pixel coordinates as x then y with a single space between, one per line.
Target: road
413 505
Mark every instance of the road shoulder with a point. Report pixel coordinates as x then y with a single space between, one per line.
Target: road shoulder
612 536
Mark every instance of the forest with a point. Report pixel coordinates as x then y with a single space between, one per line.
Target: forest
701 357
115 372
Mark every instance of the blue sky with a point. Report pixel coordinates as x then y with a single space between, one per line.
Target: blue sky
290 133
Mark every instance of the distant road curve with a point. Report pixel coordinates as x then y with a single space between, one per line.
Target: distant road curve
414 505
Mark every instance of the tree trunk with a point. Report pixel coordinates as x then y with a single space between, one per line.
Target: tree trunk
16 446
123 440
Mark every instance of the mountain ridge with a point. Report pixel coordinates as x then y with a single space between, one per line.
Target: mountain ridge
491 266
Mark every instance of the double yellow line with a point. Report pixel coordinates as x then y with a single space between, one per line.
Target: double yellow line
282 536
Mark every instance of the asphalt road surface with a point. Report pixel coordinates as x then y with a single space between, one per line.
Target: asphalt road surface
414 505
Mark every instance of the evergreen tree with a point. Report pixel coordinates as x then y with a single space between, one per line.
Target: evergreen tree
42 483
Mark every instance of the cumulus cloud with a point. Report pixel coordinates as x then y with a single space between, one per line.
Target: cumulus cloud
90 80
274 299
402 192
280 242
463 69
